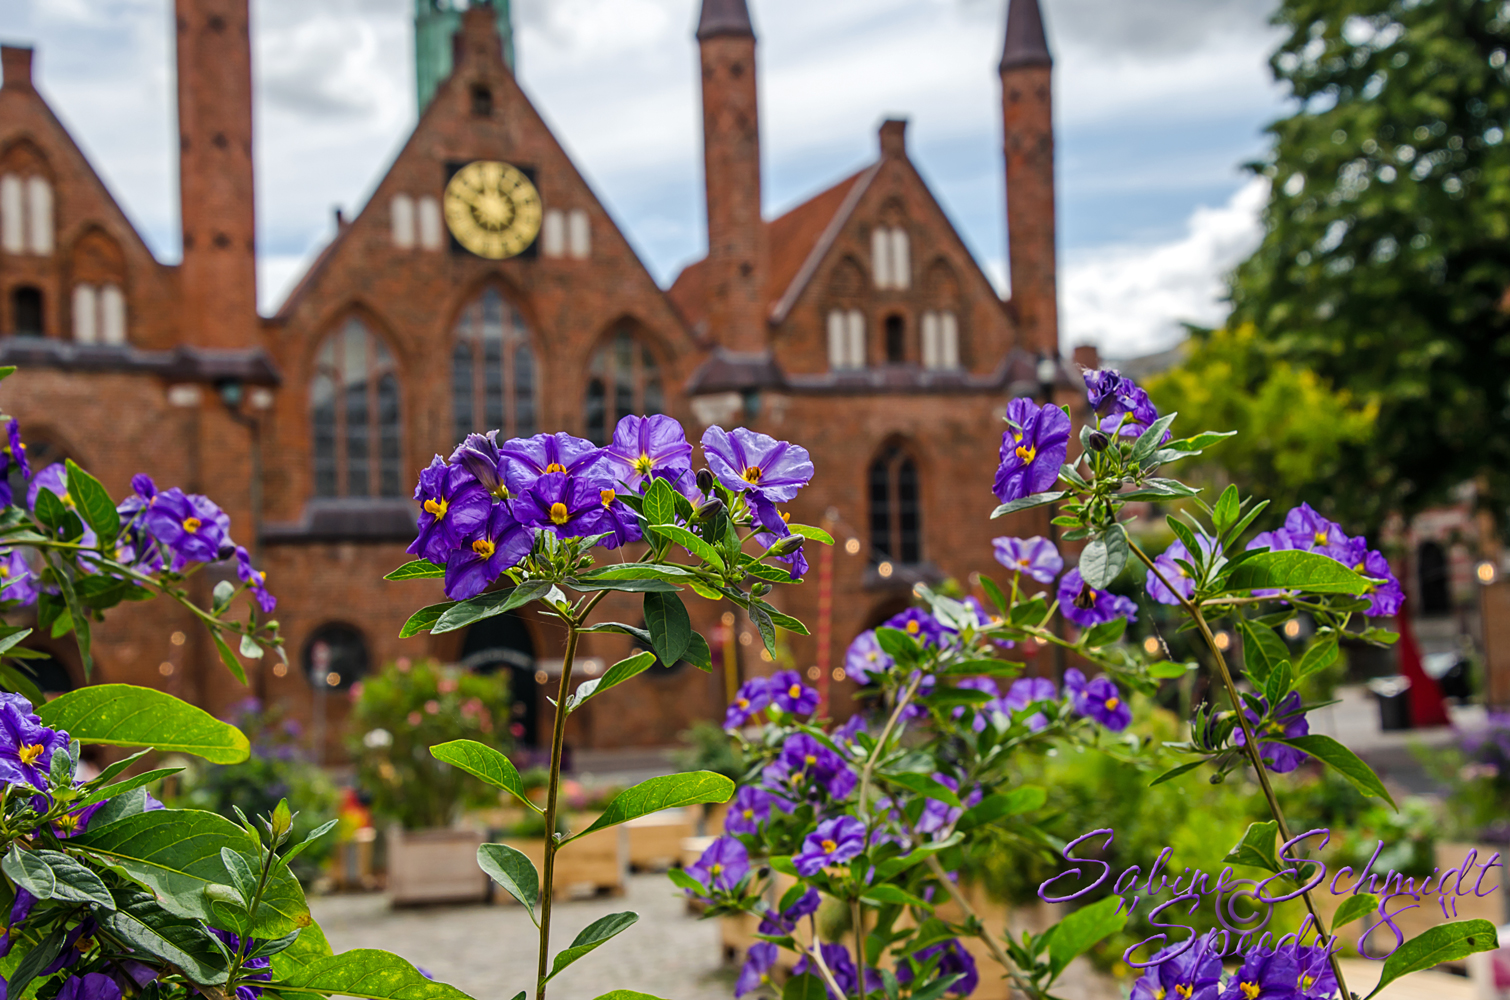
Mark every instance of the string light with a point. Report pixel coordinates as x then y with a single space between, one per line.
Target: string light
1151 645
1292 628
852 546
165 668
839 674
884 570
813 673
178 638
1486 572
1223 641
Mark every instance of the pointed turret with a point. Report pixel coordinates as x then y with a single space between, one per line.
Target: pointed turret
724 17
1028 143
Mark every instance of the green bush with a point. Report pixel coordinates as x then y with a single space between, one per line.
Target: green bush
406 709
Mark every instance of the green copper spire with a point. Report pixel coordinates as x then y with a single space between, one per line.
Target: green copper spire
435 22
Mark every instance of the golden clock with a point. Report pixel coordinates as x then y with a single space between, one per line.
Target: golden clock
492 209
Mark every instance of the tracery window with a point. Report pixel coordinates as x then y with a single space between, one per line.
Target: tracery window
623 378
354 415
493 371
895 508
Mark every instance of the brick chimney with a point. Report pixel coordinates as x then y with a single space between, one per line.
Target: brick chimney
17 62
1028 139
894 137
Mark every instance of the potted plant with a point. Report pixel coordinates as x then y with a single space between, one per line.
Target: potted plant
397 715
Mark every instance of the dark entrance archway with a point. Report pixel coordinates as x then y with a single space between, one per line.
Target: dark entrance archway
503 643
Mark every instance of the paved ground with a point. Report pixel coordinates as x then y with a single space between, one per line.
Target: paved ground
489 951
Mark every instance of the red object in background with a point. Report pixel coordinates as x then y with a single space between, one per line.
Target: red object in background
1426 704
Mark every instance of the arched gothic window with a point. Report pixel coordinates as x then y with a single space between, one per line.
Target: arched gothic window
354 414
623 378
896 531
492 370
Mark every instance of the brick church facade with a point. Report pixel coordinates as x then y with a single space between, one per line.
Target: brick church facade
856 324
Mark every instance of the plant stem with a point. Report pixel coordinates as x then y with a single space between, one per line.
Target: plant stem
558 740
880 748
1250 742
970 914
858 917
816 954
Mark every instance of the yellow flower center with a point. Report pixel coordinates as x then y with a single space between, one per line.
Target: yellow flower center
743 703
67 499
797 778
436 506
1159 993
1306 981
644 464
1016 437
5 570
811 759
1250 990
795 691
1184 990
606 496
913 628
715 868
751 474
192 524
1027 453
1112 703
559 513
29 754
555 467
749 814
1321 538
68 821
484 548
871 656
829 847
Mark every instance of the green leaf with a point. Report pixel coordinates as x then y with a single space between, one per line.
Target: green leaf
176 854
649 585
1443 943
425 618
1263 650
103 792
367 974
994 592
1342 760
668 791
1104 557
1078 932
93 503
1028 502
897 644
49 509
593 935
228 658
34 961
925 786
123 715
1175 772
765 626
512 870
242 878
612 677
692 543
142 924
621 995
660 505
29 872
670 572
985 667
1167 669
1256 849
670 628
893 894
1224 515
1321 654
309 947
482 761
1278 683
1023 799
698 654
1354 907
804 987
1295 570
1105 633
811 533
419 569
1148 441
488 605
783 621
73 882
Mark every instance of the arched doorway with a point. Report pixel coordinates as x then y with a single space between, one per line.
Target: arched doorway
503 643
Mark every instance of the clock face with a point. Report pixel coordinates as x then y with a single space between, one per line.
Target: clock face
492 209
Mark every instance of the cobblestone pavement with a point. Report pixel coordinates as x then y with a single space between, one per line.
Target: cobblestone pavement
489 951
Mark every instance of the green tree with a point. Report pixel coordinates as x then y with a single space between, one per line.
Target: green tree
1386 254
1293 430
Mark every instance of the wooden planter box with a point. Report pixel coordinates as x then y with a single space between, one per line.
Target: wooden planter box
597 863
655 841
434 866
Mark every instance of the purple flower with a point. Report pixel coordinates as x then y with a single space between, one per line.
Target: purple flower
498 544
848 734
20 909
1311 532
54 479
836 957
255 579
986 684
478 456
1317 980
752 696
191 526
1179 578
1266 974
751 807
91 986
866 657
26 746
1028 690
1032 449
835 841
17 578
1112 395
525 460
74 823
452 506
1289 720
14 451
759 961
648 447
791 695
919 624
1384 599
1034 556
953 960
1086 606
238 945
807 765
723 865
784 922
747 461
577 507
1101 700
1184 971
1274 541
938 814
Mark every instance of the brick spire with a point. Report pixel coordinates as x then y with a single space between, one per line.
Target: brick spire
1026 43
724 17
1028 144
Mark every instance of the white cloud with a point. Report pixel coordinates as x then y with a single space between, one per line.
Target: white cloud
1130 300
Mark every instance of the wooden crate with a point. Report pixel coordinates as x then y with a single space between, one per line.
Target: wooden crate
434 866
597 863
655 841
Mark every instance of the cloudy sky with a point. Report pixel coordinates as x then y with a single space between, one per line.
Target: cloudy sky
1158 105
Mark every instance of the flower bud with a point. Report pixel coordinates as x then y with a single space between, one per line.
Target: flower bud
708 510
1099 441
225 551
704 480
760 589
786 546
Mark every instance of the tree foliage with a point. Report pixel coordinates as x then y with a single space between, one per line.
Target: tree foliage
1386 254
